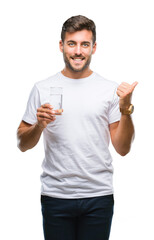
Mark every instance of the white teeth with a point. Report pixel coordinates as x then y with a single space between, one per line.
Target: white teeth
77 59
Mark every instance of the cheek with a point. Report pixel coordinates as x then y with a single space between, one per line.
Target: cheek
68 51
88 53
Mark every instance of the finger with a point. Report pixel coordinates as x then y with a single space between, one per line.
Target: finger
134 85
125 84
46 110
54 118
51 120
120 93
47 105
122 88
127 91
44 116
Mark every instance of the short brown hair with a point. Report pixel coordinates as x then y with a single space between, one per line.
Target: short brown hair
78 23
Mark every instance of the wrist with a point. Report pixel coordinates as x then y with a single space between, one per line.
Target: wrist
39 126
127 110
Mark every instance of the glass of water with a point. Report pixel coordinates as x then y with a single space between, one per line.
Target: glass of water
56 98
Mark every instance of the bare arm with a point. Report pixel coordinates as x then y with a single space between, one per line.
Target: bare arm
122 132
28 135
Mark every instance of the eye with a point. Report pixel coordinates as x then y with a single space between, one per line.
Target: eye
71 44
85 44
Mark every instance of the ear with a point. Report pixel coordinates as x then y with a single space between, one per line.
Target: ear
61 45
94 48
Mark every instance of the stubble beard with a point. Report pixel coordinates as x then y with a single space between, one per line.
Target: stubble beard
69 66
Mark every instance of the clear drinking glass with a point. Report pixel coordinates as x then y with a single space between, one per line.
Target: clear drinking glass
56 98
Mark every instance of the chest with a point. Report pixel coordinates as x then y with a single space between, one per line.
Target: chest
86 101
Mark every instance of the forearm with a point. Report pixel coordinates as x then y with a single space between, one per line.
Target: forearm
28 137
124 135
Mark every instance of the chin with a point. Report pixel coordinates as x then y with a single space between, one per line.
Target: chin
80 69
77 70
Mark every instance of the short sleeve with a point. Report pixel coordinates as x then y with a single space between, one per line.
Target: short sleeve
114 112
32 106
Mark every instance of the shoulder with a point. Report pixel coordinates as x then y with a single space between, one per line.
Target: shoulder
105 82
45 83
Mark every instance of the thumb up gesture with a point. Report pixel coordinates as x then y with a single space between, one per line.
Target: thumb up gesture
124 91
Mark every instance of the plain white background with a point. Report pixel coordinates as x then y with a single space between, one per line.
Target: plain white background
29 52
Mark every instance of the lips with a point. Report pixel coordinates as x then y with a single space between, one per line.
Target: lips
77 59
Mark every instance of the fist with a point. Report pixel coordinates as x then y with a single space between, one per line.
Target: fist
45 115
124 91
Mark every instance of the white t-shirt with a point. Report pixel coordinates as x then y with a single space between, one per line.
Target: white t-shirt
77 161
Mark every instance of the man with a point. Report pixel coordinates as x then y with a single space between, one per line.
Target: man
77 192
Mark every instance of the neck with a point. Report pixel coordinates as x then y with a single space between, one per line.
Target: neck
76 75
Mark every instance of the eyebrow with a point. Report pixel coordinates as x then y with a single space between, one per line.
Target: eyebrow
86 42
71 41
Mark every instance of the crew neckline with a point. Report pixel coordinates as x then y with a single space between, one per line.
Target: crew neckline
78 80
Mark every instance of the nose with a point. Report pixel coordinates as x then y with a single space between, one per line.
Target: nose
78 49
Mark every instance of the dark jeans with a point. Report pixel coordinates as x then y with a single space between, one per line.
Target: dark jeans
77 219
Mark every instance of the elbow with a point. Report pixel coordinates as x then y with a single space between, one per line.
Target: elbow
124 148
123 151
20 145
21 148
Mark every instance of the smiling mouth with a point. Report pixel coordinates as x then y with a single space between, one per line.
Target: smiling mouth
77 59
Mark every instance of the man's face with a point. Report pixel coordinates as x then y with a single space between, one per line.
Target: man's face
77 50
